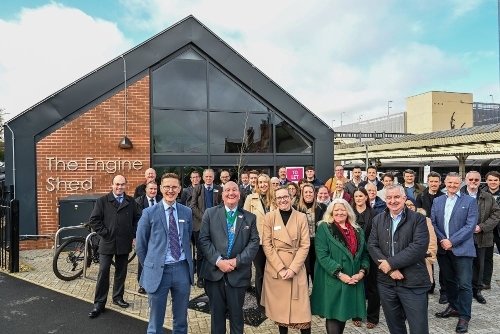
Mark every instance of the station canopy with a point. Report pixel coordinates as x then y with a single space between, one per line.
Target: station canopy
476 140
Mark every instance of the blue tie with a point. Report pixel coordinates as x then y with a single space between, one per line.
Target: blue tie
230 233
120 199
173 235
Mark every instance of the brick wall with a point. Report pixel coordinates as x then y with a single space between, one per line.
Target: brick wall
95 135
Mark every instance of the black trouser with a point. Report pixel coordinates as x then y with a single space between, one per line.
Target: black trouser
260 263
199 254
442 284
139 271
310 261
372 295
102 286
488 258
223 297
478 269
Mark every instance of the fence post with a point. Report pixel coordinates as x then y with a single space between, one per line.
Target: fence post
14 237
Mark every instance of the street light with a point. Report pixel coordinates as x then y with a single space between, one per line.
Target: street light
343 112
333 121
492 100
388 107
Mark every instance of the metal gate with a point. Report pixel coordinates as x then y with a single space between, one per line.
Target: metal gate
9 229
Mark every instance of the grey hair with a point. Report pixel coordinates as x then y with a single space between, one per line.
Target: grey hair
453 174
396 186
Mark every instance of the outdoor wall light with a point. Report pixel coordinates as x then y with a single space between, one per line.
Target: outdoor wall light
125 142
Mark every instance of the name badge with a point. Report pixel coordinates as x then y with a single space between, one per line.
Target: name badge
240 216
277 228
182 221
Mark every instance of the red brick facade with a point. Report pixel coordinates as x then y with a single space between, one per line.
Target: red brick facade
94 136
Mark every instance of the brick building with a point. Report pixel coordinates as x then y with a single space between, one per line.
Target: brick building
188 102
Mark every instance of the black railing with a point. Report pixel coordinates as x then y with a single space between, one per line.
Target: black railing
9 229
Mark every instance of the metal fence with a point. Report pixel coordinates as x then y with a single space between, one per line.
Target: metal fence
9 229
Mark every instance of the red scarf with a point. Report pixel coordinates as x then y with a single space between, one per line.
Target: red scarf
350 237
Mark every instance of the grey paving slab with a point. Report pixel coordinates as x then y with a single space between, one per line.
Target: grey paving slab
485 318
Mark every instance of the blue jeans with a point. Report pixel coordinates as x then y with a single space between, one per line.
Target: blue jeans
400 304
175 279
457 274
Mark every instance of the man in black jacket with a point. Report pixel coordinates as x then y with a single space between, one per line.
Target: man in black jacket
114 218
403 280
424 201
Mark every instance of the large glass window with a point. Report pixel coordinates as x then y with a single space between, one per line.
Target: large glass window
181 83
178 131
289 140
236 132
225 94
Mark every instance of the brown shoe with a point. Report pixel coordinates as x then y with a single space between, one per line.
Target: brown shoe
462 326
449 312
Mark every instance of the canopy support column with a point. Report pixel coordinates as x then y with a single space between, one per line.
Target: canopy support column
461 157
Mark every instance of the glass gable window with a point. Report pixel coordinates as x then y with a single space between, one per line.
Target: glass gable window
199 109
181 83
225 94
236 132
289 140
177 131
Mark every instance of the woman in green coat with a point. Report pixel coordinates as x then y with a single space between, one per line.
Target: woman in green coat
342 261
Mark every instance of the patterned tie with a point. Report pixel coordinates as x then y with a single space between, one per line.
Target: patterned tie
230 232
152 202
120 199
173 236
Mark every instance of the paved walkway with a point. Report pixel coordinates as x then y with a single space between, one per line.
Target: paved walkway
38 264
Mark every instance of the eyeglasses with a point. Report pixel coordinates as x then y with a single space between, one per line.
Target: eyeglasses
225 177
282 198
168 188
474 180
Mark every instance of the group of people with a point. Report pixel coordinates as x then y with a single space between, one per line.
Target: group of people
361 244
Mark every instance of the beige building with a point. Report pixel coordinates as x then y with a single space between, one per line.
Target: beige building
438 111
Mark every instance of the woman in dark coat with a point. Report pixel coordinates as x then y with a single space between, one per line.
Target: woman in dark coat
314 213
364 215
338 292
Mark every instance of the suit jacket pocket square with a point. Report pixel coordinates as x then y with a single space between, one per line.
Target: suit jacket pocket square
463 207
182 221
246 227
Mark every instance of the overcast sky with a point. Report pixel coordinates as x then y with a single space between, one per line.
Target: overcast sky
333 56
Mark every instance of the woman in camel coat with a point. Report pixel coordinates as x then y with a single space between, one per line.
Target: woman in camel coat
259 203
285 293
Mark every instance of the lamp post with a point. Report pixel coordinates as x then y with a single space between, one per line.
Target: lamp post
333 121
388 107
343 112
492 100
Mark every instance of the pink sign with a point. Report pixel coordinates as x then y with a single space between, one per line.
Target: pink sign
295 173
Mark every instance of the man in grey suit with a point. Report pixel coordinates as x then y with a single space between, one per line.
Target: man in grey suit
162 246
454 218
229 241
204 196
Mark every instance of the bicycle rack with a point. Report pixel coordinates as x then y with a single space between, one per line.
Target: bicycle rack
56 237
87 242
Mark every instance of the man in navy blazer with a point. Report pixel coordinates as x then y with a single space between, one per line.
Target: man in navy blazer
454 218
162 246
229 241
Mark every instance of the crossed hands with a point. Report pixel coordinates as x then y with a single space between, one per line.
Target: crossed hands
386 268
226 266
354 279
446 244
286 273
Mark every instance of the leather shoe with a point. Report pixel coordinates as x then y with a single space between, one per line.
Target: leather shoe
96 311
443 299
449 312
121 303
199 283
479 297
462 326
141 290
486 286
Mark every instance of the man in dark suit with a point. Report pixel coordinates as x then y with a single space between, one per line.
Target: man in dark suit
371 177
424 201
454 218
162 246
229 241
150 175
204 196
114 218
187 192
150 198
